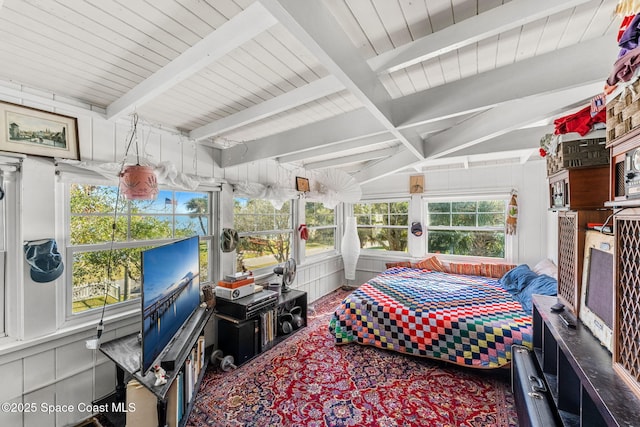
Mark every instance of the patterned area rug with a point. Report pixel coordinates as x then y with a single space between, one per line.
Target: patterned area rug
309 381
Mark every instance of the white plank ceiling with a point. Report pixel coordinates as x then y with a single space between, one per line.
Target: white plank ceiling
369 86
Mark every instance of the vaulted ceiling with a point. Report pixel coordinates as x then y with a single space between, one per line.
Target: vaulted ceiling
369 86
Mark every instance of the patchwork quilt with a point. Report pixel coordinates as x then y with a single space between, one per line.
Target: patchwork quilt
467 320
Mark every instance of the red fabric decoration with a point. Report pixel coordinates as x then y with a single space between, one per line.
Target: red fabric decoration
624 25
304 232
580 122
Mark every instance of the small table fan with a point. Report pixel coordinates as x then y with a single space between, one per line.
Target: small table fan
288 273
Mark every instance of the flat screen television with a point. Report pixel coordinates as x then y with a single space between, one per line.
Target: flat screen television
596 302
170 294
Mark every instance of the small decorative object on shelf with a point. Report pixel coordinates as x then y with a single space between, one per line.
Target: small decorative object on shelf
161 375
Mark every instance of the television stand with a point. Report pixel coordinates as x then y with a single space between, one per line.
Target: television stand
125 353
578 372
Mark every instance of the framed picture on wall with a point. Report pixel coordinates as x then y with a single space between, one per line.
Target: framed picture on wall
416 184
302 184
31 131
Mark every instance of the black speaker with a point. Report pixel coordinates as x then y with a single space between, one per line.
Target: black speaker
238 339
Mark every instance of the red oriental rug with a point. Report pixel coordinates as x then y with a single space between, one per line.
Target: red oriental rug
306 380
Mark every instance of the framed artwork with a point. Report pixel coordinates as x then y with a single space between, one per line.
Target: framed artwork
31 131
302 184
416 184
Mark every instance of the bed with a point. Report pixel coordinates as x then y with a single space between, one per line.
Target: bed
467 320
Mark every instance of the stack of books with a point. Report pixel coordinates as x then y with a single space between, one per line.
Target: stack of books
235 286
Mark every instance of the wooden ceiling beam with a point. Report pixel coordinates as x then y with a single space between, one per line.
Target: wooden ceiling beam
567 67
323 150
353 158
294 98
331 131
241 28
316 28
472 30
506 118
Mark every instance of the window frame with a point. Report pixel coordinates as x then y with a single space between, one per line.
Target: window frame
290 231
334 226
132 305
425 200
396 227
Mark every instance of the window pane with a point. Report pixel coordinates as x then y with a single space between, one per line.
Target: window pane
385 218
151 227
400 207
204 260
87 230
317 215
187 226
398 220
91 284
463 220
322 240
363 219
443 207
190 203
491 206
476 243
380 208
260 215
491 220
379 219
386 239
263 251
439 219
85 199
463 206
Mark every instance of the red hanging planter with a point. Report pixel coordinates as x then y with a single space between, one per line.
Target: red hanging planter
138 182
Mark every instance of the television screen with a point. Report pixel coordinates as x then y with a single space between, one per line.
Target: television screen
596 308
170 294
599 296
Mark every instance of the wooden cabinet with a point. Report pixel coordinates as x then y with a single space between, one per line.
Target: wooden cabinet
578 372
579 188
572 226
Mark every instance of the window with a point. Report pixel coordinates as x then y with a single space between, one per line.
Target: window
467 227
383 225
265 233
104 270
321 224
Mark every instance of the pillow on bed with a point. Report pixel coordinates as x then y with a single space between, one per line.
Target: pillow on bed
466 269
546 266
541 285
431 263
495 270
516 279
398 264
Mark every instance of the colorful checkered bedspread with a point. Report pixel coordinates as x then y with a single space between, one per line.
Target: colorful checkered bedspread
467 320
